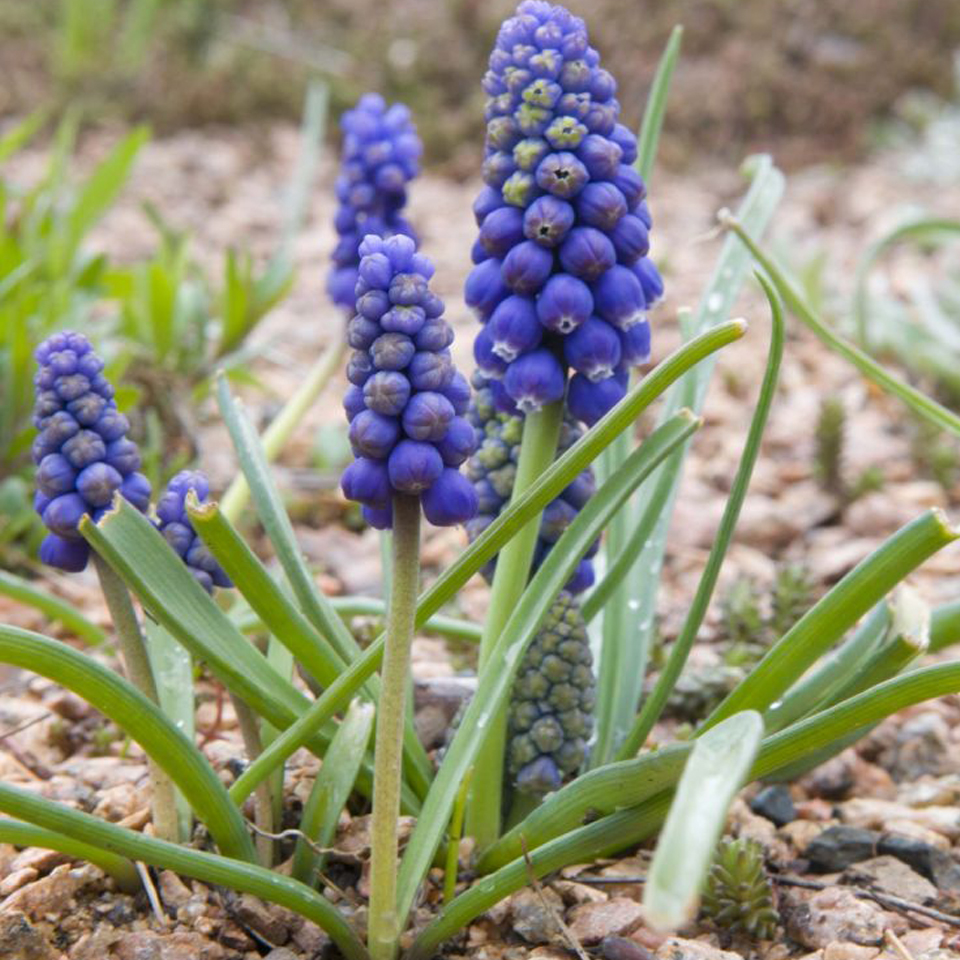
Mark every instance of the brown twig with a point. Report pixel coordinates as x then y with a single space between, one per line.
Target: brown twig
572 942
897 945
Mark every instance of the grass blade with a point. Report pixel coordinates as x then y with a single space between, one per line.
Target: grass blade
719 764
206 867
142 720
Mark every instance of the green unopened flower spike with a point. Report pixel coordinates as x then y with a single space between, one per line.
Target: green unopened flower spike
551 710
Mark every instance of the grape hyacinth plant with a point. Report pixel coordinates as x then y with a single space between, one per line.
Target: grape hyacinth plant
381 155
547 766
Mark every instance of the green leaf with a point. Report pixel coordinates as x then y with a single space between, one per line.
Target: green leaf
629 616
720 762
649 137
23 591
836 612
19 834
21 134
331 789
919 402
263 594
919 229
206 867
143 721
494 686
99 191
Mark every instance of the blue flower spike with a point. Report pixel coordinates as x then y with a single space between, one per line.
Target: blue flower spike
381 155
82 452
406 403
564 222
173 522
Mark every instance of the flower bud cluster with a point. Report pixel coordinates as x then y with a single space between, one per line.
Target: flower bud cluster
551 709
561 277
406 402
173 522
381 152
82 452
493 467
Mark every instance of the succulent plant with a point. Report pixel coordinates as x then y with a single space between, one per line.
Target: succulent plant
82 452
561 276
381 153
492 469
551 708
406 403
174 523
738 895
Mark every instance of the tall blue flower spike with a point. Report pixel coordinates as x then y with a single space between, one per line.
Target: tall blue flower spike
173 522
406 402
82 451
381 154
562 280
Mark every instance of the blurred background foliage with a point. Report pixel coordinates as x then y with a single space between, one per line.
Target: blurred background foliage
810 76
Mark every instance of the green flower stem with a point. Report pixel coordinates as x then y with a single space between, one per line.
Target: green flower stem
547 486
275 437
654 704
383 930
205 867
541 433
19 834
16 588
452 861
923 405
139 673
836 613
263 796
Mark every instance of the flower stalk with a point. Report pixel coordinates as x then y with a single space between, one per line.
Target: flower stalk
139 673
383 929
541 433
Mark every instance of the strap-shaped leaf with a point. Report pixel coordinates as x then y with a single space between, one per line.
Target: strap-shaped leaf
716 770
143 721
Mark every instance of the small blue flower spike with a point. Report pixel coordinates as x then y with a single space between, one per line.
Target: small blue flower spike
173 522
82 451
406 403
381 155
564 223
